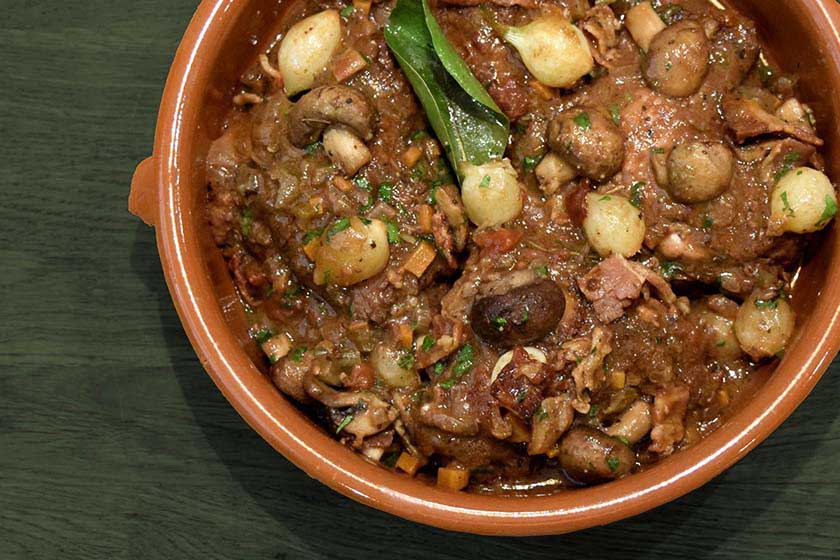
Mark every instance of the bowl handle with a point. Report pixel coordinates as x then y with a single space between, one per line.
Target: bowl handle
142 201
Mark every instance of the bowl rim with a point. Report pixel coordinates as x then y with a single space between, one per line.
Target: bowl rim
327 460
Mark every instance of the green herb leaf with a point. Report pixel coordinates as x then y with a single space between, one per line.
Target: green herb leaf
463 360
500 323
636 195
829 211
541 271
583 121
338 227
438 369
363 183
311 148
529 163
245 222
346 11
393 233
615 113
385 192
390 460
296 355
669 268
263 335
310 235
769 303
613 463
465 118
787 164
347 419
708 222
406 360
485 182
541 414
428 343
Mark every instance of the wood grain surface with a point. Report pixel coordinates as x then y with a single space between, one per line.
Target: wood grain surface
115 444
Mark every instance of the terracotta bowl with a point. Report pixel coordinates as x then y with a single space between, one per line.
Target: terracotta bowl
168 190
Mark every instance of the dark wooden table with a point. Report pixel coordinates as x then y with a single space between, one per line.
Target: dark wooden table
115 444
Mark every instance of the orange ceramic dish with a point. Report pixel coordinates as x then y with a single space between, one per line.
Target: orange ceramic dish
168 190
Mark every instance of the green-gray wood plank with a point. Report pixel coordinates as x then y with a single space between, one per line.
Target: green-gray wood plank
113 441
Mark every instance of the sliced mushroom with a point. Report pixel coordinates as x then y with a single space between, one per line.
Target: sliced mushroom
634 424
551 421
343 116
369 414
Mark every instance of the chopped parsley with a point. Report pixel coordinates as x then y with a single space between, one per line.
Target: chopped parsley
769 303
246 222
310 235
593 410
363 183
541 414
658 151
417 135
721 344
311 148
263 335
624 440
296 355
583 121
787 164
615 114
604 198
708 222
499 323
393 233
428 343
338 227
786 205
829 211
438 369
346 11
636 195
386 191
541 271
669 268
406 360
347 419
485 182
669 12
464 360
613 463
530 162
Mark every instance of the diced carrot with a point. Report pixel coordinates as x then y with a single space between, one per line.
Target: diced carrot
408 463
411 156
317 204
342 183
542 90
347 64
452 479
311 249
424 218
618 379
361 377
420 259
362 5
403 334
